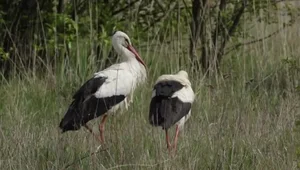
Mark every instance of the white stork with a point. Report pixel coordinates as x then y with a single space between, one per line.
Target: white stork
172 98
108 90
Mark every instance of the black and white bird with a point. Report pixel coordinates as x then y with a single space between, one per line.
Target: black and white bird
171 103
109 90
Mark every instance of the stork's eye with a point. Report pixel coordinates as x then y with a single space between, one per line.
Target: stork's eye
126 41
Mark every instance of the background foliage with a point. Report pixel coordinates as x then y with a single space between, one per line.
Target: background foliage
39 34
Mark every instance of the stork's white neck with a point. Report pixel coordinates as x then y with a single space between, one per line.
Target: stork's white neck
136 68
123 52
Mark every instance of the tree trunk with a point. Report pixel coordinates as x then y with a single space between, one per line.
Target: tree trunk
61 6
198 31
211 56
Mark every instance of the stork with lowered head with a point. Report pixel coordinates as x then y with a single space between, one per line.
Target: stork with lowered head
171 103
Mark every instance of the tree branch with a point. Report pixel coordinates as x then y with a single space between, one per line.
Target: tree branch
219 21
160 5
172 6
78 8
236 19
186 6
234 47
124 8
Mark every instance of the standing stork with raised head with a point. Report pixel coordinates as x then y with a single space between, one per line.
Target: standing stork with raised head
108 91
172 98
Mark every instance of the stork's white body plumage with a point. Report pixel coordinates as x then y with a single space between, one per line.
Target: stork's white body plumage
171 102
122 79
186 95
109 90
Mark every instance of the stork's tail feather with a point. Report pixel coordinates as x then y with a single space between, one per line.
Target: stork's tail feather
156 120
155 117
71 120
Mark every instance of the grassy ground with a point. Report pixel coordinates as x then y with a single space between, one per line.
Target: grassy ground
234 124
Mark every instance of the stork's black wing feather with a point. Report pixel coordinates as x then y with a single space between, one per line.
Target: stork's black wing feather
86 106
165 111
89 87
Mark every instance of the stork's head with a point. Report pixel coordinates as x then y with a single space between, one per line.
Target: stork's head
183 74
122 44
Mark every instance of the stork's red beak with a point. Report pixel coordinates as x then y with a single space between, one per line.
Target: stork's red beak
137 56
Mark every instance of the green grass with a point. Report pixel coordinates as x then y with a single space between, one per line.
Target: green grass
233 125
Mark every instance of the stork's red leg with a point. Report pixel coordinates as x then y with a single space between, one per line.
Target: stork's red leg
101 129
168 141
90 130
176 137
